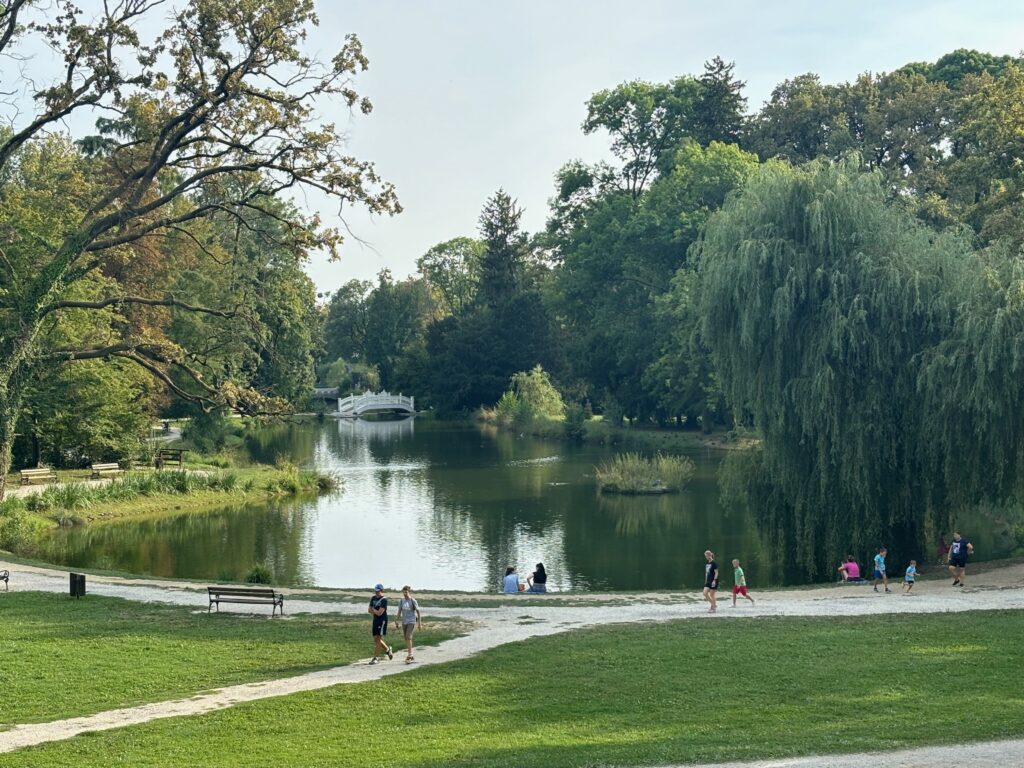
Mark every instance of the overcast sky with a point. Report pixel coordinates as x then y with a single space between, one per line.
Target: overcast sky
470 96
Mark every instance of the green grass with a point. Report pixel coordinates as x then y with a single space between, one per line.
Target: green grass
64 657
655 694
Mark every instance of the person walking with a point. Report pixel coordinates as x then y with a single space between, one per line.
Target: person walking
410 619
909 576
379 628
879 574
537 581
959 549
739 583
711 581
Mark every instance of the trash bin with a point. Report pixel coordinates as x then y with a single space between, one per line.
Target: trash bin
78 585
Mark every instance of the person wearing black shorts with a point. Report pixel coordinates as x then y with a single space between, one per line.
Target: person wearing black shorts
711 581
379 610
959 549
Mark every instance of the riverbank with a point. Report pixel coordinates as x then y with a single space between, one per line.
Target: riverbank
646 439
146 493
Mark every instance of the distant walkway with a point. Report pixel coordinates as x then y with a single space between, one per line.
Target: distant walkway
506 623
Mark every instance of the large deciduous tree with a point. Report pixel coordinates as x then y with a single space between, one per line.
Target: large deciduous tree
879 360
213 119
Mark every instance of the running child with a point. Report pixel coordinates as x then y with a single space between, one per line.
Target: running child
739 586
909 576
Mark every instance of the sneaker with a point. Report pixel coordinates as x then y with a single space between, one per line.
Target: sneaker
374 660
408 659
956 582
888 590
391 655
875 588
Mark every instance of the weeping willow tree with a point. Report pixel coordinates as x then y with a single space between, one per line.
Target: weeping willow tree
880 361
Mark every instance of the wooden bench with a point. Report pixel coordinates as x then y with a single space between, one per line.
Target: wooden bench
108 468
5 577
167 456
41 474
255 595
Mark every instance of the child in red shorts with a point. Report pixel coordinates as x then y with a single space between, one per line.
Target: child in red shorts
739 586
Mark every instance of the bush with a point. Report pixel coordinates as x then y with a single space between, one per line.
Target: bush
20 530
633 473
260 574
574 426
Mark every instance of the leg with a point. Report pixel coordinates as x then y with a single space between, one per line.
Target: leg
747 595
714 599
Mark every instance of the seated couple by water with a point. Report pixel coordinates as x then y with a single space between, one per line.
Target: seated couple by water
536 582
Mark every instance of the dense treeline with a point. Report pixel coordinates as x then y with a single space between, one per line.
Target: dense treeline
154 264
839 271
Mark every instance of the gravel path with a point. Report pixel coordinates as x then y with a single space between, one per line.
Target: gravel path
506 623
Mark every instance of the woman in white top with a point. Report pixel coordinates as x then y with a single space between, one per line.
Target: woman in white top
510 584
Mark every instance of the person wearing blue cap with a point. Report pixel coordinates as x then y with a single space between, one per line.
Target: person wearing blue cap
379 610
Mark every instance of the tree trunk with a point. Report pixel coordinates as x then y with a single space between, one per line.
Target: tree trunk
9 402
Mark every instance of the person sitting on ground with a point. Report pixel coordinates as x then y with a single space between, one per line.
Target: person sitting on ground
538 580
849 570
510 584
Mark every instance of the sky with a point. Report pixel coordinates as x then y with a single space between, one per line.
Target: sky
475 95
472 96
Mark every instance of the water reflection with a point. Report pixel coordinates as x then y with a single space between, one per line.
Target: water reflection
441 507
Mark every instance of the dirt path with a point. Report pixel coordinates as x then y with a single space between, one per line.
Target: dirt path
506 623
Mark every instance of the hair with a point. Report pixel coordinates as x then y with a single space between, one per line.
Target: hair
849 558
407 587
540 568
736 560
882 549
509 571
708 552
956 533
913 562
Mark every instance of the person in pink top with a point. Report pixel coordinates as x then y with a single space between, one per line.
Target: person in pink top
849 570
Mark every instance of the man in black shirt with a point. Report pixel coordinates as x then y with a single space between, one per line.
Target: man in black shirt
711 581
959 549
379 610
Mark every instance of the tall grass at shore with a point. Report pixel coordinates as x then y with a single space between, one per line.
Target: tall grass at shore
632 473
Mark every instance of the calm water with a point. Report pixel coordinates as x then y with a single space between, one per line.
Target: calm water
439 507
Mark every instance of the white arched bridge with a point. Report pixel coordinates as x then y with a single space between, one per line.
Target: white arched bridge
367 402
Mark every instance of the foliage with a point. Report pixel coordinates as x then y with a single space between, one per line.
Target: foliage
868 351
351 377
537 394
173 201
633 473
259 574
452 269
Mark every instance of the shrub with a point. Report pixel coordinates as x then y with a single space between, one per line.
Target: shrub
538 395
259 574
574 426
633 473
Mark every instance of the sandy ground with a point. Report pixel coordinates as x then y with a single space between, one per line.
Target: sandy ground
507 622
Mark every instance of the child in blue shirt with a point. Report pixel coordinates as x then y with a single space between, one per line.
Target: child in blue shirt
908 578
880 574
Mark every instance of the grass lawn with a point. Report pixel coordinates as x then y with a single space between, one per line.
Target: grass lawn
61 657
655 694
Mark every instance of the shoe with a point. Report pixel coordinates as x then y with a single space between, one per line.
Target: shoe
374 660
408 659
875 588
390 655
888 590
956 582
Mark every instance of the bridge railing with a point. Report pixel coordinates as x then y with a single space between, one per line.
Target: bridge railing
372 400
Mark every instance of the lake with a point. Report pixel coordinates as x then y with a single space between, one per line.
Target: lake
439 506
